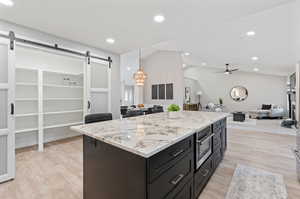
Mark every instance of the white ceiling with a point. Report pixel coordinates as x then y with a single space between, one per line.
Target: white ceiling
211 30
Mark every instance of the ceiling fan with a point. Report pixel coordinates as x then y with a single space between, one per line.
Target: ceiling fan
228 70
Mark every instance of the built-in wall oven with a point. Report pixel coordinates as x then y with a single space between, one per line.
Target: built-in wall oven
204 144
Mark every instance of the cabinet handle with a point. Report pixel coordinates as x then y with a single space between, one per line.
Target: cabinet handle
205 173
177 179
12 109
177 153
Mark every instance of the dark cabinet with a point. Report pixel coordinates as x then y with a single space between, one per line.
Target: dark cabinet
217 140
220 138
217 158
162 161
202 176
224 137
170 170
110 172
180 173
184 192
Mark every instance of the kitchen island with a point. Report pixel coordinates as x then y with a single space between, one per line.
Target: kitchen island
152 156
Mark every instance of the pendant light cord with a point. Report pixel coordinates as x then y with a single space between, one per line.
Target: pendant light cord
140 58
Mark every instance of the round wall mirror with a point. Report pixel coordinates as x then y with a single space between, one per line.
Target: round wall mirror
239 93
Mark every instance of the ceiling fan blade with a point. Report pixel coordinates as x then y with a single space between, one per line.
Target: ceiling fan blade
220 72
236 69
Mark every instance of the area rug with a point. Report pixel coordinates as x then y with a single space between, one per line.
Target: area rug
251 183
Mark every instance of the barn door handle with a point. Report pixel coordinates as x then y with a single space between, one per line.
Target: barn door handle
89 104
12 109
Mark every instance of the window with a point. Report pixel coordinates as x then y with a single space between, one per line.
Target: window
162 91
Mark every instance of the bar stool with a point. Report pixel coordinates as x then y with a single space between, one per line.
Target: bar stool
97 117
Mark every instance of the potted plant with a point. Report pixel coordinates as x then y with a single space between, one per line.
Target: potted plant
173 110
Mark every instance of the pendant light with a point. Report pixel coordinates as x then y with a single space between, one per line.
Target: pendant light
140 75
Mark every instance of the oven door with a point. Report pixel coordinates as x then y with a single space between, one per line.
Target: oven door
203 149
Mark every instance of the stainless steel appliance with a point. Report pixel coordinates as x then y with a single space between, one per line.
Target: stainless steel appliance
203 143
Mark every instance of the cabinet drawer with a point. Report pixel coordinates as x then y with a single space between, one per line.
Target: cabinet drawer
160 162
202 176
174 177
183 192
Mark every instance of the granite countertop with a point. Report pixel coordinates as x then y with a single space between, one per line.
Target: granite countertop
149 134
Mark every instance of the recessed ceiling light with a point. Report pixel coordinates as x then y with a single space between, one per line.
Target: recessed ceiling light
110 40
159 18
251 33
184 65
186 54
256 69
254 58
9 3
128 68
204 64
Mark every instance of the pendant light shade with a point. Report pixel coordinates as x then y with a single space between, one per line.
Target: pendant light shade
140 75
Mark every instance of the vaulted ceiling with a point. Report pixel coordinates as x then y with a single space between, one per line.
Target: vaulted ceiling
213 31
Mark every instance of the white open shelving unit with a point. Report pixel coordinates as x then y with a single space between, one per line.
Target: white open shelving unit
54 91
47 100
26 116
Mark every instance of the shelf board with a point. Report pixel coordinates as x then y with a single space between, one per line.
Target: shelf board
62 73
26 115
26 130
23 68
26 99
63 112
62 99
99 90
63 125
26 84
61 86
3 86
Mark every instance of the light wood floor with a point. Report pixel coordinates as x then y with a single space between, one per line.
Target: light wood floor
57 172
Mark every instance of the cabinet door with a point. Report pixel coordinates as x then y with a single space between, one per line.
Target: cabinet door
98 87
224 137
7 142
202 176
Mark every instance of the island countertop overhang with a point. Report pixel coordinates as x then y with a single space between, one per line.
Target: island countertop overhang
148 135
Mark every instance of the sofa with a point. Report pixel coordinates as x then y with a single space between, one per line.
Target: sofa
268 111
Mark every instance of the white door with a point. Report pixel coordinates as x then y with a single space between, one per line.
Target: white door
98 87
7 87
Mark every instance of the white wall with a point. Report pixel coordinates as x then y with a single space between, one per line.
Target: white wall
129 64
195 87
296 29
128 61
296 37
164 67
263 89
